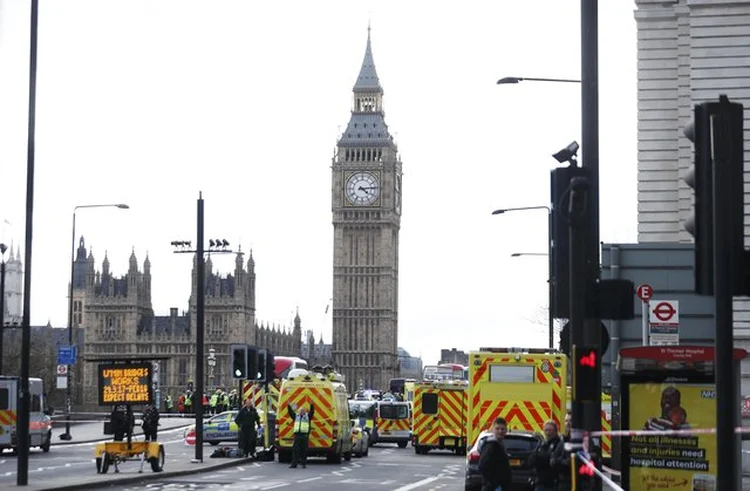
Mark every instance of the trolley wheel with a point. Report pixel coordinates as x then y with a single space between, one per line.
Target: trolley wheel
105 462
98 465
157 463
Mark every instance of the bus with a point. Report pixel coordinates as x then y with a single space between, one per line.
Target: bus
285 364
445 371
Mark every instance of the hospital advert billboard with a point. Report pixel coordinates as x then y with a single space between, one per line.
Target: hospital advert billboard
684 461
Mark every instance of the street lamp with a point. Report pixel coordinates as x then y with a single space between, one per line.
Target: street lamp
3 248
67 435
211 365
550 274
515 80
217 246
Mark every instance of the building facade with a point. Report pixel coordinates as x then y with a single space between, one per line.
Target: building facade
454 356
118 321
316 354
13 305
689 51
366 206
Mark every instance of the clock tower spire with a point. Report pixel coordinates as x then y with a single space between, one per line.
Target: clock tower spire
366 205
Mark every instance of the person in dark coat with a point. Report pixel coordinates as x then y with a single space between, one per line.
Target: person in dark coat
545 476
560 460
150 422
494 464
121 421
248 419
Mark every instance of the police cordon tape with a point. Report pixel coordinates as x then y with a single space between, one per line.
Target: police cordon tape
605 479
694 431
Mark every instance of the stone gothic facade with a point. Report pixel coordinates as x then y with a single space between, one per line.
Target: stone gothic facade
13 305
118 321
366 205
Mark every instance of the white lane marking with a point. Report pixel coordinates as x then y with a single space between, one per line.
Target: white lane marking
310 479
417 484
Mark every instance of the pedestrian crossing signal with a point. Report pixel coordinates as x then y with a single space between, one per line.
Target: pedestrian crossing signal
586 373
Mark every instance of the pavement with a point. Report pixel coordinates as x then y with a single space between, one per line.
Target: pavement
71 464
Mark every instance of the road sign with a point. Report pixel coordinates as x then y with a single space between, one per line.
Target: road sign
644 292
62 370
62 382
665 313
664 322
66 355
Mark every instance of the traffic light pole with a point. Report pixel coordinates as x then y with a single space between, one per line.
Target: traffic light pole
199 334
725 213
578 210
591 334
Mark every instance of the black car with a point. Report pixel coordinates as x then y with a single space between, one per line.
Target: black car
518 444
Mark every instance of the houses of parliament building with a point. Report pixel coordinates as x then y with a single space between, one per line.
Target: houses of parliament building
118 321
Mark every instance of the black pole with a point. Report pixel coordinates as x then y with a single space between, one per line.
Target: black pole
200 301
726 390
551 282
68 401
24 396
578 216
590 155
2 304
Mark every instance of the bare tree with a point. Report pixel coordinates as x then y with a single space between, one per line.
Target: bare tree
540 317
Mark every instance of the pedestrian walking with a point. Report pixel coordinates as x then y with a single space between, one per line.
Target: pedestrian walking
494 464
302 420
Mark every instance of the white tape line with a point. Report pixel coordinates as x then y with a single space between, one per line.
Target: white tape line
609 482
694 431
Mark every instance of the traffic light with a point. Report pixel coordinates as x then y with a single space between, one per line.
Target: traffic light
239 361
716 133
586 373
252 363
560 229
700 178
266 366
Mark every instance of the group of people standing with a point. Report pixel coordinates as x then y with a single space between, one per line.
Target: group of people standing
122 422
550 460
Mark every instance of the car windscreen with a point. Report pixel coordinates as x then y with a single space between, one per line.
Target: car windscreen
511 444
361 410
519 444
393 411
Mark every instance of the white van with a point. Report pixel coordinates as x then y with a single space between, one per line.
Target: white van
40 424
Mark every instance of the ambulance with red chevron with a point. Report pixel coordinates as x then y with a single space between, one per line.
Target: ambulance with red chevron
526 386
330 426
440 411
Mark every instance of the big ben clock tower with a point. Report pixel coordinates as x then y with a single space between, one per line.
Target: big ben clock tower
366 205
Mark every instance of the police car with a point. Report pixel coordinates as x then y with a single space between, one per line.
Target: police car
221 428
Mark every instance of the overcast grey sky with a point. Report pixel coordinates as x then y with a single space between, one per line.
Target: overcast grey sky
148 103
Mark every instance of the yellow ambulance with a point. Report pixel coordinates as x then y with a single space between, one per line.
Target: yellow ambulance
256 392
440 411
330 426
526 386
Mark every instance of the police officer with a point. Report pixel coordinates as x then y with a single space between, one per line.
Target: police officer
301 434
248 419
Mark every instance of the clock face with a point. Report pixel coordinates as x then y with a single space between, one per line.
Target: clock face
362 188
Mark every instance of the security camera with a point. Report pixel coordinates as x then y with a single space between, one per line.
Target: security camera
567 154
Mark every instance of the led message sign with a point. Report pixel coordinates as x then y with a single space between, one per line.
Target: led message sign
125 384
